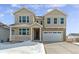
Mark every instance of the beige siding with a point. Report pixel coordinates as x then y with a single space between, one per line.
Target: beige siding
33 18
17 37
39 19
52 15
20 37
24 12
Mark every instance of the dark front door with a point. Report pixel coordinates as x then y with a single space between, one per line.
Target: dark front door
36 34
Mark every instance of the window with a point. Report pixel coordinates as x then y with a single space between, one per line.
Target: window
27 31
27 19
62 20
24 31
55 20
20 31
48 20
41 22
20 19
24 19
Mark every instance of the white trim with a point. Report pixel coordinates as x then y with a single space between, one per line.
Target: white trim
55 27
23 8
55 10
40 34
10 33
37 23
31 34
53 31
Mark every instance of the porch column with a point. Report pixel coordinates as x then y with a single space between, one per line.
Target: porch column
10 33
31 33
40 34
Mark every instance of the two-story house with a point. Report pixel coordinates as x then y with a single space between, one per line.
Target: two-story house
28 26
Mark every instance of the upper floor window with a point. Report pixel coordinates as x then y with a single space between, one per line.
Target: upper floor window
20 19
27 19
24 19
55 20
48 20
24 31
62 21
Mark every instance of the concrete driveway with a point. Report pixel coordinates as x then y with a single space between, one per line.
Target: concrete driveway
61 48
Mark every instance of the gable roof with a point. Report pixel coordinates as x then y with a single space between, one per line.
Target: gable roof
22 9
39 17
3 25
56 10
36 24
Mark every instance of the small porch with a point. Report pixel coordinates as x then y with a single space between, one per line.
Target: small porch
34 32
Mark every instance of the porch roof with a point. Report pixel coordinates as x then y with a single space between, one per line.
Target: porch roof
35 24
20 25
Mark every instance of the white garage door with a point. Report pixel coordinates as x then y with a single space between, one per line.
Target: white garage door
52 36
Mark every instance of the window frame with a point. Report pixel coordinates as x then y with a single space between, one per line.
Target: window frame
21 19
22 32
24 20
48 20
27 19
55 21
61 21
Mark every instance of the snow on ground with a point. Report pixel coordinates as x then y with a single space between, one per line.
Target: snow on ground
27 47
76 43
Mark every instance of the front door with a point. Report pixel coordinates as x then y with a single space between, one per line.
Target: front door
36 34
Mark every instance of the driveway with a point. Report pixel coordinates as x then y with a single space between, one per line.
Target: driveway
61 48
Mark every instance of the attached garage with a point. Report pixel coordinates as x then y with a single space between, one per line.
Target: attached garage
52 36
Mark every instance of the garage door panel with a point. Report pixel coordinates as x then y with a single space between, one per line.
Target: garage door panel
52 36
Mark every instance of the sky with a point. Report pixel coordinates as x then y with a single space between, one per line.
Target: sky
72 11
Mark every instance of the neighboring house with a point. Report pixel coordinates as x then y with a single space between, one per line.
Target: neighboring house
73 37
28 26
4 33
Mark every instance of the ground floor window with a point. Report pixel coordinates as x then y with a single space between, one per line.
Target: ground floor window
24 31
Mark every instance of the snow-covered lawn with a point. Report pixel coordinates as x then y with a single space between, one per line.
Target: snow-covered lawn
27 47
76 43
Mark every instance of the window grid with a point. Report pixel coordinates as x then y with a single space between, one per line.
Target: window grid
55 20
24 31
48 20
24 19
62 21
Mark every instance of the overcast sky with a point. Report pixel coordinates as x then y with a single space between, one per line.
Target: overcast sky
72 12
